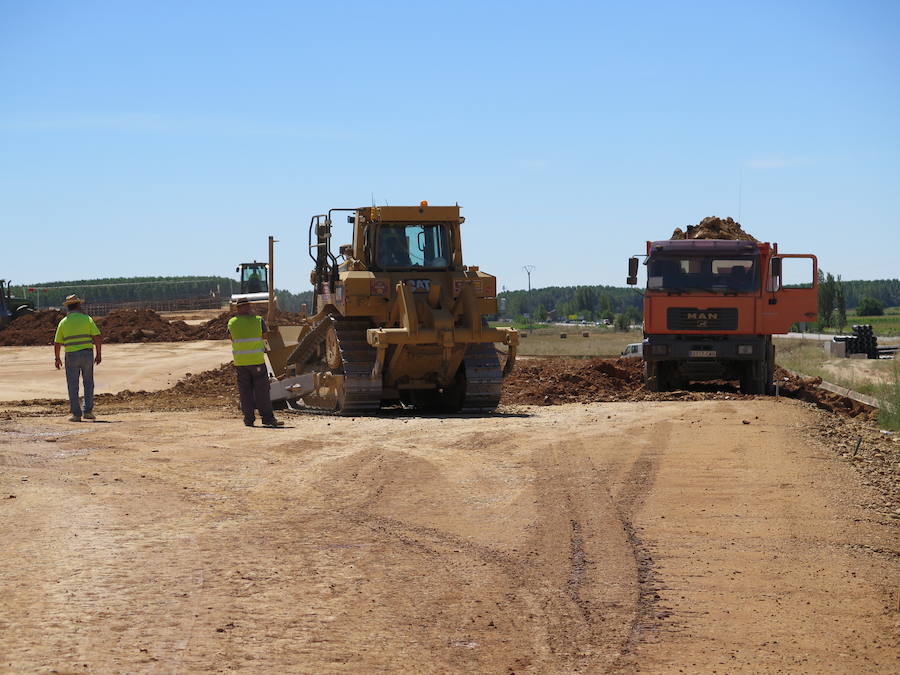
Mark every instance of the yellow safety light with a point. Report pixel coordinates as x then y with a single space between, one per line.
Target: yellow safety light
423 203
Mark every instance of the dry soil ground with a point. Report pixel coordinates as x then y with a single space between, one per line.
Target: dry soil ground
695 536
28 372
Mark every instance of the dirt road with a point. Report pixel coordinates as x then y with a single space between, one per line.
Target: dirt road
657 537
28 372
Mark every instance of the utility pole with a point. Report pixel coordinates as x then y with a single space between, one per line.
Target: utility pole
528 270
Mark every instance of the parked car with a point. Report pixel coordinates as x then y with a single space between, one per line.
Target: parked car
634 351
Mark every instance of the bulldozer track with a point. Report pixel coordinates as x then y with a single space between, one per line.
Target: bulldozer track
362 393
484 378
307 347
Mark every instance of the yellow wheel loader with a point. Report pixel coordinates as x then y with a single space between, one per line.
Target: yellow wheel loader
397 318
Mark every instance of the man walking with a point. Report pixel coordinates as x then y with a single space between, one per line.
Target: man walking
248 333
78 333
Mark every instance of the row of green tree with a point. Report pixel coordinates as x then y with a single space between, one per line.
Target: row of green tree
833 302
622 306
146 289
589 302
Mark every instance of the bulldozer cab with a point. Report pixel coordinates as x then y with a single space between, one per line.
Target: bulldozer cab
387 239
412 245
253 277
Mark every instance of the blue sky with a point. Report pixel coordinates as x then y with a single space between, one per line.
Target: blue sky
171 138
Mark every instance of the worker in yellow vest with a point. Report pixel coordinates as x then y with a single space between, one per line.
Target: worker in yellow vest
248 333
78 333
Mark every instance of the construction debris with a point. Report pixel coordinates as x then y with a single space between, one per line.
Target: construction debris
714 228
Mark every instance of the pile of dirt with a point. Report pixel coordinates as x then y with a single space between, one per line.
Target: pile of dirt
144 325
556 381
128 325
807 389
217 329
714 228
214 388
32 329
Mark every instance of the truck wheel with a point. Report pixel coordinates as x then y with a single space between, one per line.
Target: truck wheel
753 378
23 311
770 368
652 376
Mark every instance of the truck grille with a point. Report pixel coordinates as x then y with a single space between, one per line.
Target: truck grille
691 318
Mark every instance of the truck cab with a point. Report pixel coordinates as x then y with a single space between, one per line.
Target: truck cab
711 307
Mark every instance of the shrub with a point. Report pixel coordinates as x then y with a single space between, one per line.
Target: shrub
870 306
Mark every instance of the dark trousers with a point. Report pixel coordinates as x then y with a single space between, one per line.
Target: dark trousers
80 366
253 385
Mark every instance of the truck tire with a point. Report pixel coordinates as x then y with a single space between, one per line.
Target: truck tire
651 375
754 377
659 376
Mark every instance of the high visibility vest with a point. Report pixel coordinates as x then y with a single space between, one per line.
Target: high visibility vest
76 332
247 343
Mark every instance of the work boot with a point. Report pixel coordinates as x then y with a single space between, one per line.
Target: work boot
74 419
248 424
89 416
272 424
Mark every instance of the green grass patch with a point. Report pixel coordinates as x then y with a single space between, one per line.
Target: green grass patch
867 376
884 326
601 341
888 395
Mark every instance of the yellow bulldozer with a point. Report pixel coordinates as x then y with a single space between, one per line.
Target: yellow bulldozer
397 317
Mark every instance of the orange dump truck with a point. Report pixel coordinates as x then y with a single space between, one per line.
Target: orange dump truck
711 307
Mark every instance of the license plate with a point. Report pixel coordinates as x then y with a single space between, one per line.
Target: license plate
702 353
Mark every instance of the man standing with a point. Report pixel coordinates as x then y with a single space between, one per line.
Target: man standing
78 333
248 333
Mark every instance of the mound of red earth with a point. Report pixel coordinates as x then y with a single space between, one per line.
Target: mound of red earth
807 389
556 381
143 325
217 329
214 388
127 325
32 329
714 228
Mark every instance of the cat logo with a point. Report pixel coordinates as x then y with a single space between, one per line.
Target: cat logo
418 285
703 316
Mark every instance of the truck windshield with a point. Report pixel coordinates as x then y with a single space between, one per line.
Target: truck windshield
405 246
735 274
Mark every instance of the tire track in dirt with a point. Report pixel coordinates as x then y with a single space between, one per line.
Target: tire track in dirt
629 498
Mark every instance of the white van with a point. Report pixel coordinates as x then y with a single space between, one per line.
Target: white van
634 351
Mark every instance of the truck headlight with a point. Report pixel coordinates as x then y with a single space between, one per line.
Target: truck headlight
745 349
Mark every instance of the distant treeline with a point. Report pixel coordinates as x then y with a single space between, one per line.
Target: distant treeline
596 302
145 289
591 302
886 291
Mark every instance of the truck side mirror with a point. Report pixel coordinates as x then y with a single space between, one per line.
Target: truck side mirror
237 269
776 267
632 271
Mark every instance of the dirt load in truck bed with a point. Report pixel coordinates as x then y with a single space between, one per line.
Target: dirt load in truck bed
714 228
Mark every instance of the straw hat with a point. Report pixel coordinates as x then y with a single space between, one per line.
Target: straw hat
72 300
